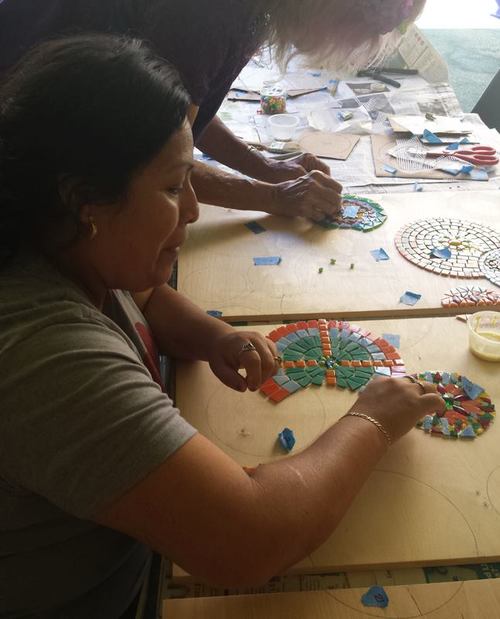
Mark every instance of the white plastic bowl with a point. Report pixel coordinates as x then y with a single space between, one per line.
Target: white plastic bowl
282 126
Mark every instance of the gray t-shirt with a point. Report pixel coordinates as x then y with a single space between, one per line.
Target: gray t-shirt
81 422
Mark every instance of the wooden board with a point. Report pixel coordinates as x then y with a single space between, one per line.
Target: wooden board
474 599
216 267
429 501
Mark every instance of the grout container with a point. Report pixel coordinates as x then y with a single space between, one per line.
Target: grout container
484 335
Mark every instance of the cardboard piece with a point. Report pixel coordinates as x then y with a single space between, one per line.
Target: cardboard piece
381 144
441 124
329 145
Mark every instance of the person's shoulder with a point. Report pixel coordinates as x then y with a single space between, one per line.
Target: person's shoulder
35 298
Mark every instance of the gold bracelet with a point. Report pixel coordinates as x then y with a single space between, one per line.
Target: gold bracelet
375 423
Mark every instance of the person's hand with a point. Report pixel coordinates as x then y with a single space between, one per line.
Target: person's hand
246 350
398 403
280 171
314 195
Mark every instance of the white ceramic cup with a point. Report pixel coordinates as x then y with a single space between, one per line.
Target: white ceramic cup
282 126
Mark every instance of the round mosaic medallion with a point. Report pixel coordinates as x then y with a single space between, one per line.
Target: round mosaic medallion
332 352
470 296
447 246
489 264
357 214
469 410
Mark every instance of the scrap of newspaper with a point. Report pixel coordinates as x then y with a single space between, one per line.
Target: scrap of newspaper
367 105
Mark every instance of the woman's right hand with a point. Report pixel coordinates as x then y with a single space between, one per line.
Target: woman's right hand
398 403
314 195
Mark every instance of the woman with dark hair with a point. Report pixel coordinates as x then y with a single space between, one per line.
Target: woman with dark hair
96 464
209 43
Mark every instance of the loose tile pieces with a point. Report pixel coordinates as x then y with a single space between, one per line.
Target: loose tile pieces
469 409
357 213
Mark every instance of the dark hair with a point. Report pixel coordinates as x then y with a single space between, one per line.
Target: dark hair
83 113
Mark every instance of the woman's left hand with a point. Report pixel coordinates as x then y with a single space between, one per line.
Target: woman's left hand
245 350
280 171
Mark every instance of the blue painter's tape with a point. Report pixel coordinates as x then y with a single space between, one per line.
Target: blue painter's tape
430 137
375 597
267 261
441 252
214 313
380 254
410 298
479 174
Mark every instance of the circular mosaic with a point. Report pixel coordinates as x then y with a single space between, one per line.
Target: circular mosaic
489 263
470 296
447 246
332 352
357 214
469 410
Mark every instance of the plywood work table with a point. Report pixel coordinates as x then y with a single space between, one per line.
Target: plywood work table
476 599
429 501
216 268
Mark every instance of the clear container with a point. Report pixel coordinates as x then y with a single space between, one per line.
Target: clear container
272 99
484 335
282 126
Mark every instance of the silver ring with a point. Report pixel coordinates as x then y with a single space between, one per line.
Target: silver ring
248 347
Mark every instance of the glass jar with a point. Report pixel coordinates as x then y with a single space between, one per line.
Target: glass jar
272 99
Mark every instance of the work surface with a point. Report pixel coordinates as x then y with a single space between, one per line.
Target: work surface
454 600
217 272
429 501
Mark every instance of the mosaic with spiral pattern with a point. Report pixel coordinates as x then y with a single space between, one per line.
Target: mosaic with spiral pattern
489 263
465 241
330 352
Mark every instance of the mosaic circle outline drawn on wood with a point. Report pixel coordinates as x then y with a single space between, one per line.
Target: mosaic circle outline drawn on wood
329 351
469 409
357 213
489 263
450 247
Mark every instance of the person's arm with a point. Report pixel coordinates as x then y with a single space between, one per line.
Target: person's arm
314 195
184 331
202 511
220 143
294 188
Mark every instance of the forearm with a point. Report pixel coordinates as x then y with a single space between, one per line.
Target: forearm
212 186
220 143
181 329
308 494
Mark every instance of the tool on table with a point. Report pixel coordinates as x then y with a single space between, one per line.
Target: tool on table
280 151
477 155
380 74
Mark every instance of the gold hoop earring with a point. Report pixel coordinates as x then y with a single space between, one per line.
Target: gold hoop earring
93 228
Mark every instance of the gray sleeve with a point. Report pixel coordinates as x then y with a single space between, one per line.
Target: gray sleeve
81 420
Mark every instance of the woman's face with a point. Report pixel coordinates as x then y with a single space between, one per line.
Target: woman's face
138 238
